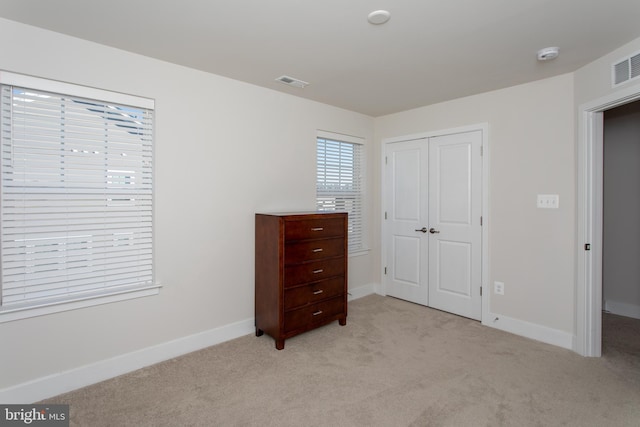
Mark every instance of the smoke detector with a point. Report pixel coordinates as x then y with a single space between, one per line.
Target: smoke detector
378 17
548 53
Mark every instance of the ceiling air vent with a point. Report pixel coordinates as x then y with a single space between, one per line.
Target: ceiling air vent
626 69
291 81
634 63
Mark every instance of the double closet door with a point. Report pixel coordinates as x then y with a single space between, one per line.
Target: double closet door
433 234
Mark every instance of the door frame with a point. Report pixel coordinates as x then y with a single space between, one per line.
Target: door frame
484 188
589 210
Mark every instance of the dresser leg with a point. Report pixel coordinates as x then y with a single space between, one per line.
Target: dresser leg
342 321
259 332
279 344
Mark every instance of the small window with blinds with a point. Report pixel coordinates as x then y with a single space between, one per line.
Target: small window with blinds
77 194
339 181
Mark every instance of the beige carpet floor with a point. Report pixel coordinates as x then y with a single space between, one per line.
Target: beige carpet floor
394 364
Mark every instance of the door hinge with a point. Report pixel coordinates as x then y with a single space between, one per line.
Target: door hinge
385 271
481 221
587 246
386 160
480 290
385 215
481 150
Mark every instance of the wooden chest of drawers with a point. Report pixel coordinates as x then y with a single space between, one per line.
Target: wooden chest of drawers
301 272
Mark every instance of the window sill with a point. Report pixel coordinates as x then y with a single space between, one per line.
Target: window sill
17 313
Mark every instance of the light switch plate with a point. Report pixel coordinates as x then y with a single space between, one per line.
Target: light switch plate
548 201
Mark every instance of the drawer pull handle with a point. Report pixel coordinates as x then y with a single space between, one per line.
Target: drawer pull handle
317 313
318 271
318 292
318 250
317 229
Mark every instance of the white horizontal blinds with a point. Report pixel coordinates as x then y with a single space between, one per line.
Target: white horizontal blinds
76 188
339 183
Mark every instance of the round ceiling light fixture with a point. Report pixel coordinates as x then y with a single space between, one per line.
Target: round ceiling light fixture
548 53
378 17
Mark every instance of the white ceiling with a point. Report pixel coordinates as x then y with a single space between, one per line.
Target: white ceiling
429 51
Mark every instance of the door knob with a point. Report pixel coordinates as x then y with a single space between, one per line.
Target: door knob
423 229
433 230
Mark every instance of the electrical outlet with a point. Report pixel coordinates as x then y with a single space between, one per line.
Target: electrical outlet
548 201
498 288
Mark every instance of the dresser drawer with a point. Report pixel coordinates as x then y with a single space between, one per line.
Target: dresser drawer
313 271
313 292
316 313
314 228
314 249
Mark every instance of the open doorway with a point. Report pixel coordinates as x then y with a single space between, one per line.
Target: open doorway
621 232
589 248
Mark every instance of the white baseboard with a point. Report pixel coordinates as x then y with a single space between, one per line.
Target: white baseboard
361 291
53 385
530 330
622 309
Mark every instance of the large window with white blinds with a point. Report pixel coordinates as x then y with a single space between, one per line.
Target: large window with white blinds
339 181
77 193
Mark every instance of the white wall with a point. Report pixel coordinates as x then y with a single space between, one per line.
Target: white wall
224 150
531 151
621 243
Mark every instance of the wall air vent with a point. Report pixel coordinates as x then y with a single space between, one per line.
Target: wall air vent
292 82
625 70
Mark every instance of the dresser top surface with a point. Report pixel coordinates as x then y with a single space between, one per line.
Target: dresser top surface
301 213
